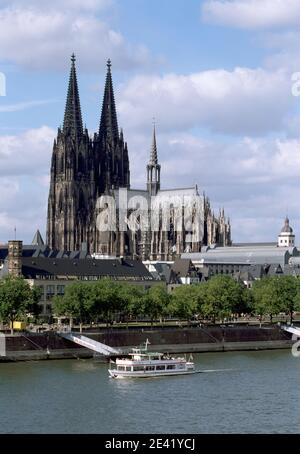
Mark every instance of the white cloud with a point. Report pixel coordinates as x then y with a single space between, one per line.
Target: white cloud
26 154
24 105
36 37
89 5
252 14
242 101
24 176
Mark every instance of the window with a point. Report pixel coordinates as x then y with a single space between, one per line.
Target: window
138 368
50 291
41 287
60 290
150 367
160 367
170 366
121 368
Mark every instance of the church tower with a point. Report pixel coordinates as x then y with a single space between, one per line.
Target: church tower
153 169
286 237
72 179
111 153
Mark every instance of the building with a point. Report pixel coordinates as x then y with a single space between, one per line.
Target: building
250 261
53 271
84 170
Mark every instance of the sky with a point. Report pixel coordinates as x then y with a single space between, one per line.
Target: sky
217 75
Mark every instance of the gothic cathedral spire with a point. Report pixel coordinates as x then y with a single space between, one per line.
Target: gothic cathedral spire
73 118
72 178
108 129
153 168
110 150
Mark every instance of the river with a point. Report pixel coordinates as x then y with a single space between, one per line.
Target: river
247 392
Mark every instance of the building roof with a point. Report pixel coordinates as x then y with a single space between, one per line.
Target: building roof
120 269
37 239
182 267
287 228
244 255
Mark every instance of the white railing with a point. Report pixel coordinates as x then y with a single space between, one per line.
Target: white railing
88 343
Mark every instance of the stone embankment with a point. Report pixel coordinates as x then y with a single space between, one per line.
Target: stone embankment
48 345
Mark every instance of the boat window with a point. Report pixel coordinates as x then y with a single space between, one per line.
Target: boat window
180 366
150 367
128 368
121 367
160 367
138 368
170 366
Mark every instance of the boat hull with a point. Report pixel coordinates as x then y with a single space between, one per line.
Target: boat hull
147 374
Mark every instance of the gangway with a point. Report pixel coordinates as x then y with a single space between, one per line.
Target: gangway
91 344
291 329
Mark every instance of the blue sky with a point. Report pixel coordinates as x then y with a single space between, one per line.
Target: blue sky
215 74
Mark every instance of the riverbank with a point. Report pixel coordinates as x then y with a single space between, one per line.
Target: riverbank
49 345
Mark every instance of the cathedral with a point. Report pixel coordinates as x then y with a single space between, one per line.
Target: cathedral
85 171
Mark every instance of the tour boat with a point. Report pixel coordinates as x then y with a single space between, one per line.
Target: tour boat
142 363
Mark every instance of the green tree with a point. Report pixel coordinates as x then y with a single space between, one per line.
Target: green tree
16 299
76 303
288 294
223 295
266 297
156 302
107 299
132 297
184 301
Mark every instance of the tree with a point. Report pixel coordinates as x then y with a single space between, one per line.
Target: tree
132 297
107 299
223 295
288 291
156 302
76 303
16 299
266 297
184 301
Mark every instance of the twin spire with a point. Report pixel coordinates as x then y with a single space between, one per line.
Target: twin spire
108 128
73 118
109 123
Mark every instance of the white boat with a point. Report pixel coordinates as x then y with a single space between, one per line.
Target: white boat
142 363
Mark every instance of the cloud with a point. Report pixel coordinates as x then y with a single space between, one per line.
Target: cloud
38 37
243 101
24 105
24 181
252 14
26 154
79 5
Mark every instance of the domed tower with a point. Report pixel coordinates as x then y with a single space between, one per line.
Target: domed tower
286 237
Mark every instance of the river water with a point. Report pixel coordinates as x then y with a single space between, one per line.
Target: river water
249 392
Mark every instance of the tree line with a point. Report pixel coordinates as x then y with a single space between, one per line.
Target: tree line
218 299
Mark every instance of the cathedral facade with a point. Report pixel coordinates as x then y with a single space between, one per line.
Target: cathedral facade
87 172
